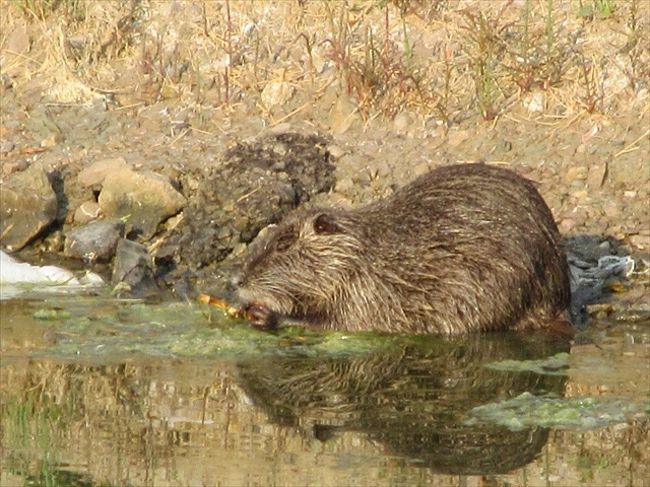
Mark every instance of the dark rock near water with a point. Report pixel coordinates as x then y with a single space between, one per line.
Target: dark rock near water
145 198
256 185
133 270
95 241
28 205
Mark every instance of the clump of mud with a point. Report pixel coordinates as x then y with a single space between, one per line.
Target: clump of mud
256 185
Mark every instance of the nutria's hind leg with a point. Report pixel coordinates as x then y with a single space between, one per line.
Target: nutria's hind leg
557 324
561 326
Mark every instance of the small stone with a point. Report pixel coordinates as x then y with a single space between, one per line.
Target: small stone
575 173
344 185
6 145
18 42
344 114
596 176
277 93
534 102
335 151
457 137
95 174
12 167
402 121
49 141
566 225
86 212
420 169
640 241
95 241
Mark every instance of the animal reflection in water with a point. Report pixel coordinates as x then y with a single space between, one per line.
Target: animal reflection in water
413 399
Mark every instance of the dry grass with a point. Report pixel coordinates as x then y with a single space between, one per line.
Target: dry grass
442 59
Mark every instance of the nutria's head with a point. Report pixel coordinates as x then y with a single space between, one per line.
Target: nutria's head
299 267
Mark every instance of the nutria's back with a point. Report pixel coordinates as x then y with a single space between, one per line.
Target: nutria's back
463 248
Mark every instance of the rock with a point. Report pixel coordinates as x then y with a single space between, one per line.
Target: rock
6 145
14 166
18 42
133 269
575 173
640 241
145 198
27 205
335 151
402 122
534 102
596 175
344 114
95 174
457 137
566 225
95 241
86 212
277 93
344 185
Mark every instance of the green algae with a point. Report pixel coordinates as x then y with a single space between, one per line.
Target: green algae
101 329
554 365
575 413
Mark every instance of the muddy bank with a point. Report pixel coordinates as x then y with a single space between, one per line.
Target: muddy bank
189 154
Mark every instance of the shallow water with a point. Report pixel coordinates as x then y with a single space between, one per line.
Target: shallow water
99 391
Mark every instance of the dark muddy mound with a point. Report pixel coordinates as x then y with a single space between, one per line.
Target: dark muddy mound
256 185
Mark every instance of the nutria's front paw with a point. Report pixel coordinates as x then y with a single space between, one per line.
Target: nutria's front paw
261 317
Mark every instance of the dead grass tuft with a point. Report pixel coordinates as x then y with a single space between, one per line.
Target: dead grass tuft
444 59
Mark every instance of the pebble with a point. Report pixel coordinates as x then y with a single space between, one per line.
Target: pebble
640 241
335 151
277 93
596 176
344 185
344 114
86 212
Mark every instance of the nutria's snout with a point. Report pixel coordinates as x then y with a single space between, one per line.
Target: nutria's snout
234 283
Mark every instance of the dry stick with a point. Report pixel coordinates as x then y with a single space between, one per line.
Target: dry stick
290 114
229 42
629 147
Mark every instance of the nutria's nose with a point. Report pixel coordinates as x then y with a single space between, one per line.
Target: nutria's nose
235 282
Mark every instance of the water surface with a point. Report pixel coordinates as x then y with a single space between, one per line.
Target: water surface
99 391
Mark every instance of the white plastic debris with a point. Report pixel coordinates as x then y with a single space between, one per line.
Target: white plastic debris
16 277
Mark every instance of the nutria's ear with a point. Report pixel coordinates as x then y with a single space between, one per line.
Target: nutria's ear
325 224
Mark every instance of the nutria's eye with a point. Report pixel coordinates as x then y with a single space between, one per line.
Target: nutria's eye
285 241
325 224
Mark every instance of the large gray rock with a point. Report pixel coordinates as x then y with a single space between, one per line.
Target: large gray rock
95 241
27 205
145 199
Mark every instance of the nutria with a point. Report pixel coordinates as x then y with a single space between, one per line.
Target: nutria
463 248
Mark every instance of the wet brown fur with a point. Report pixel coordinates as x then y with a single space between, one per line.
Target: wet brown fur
463 248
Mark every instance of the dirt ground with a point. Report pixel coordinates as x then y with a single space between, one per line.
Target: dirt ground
557 90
